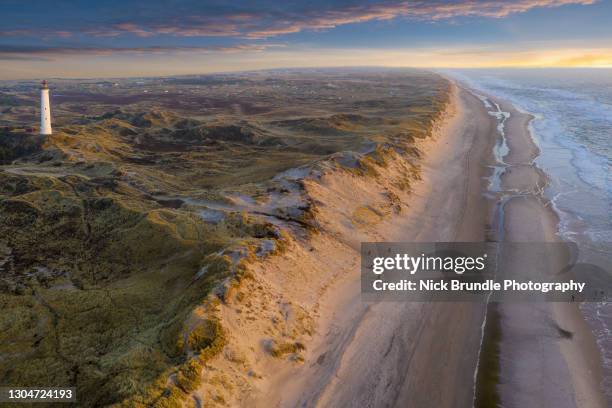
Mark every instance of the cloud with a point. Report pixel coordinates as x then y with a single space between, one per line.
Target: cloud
416 10
133 29
35 53
45 33
198 19
271 23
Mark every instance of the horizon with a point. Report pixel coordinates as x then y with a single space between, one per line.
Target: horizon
307 68
120 39
202 203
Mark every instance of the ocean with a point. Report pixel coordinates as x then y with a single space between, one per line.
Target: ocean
573 129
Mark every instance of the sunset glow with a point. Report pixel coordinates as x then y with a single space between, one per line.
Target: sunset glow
114 39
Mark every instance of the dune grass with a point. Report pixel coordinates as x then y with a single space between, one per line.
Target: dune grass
99 280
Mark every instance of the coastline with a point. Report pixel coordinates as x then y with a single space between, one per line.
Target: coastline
547 353
412 349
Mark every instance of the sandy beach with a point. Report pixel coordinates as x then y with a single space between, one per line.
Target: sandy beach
415 354
390 353
540 363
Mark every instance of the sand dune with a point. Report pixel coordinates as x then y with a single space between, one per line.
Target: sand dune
415 354
377 354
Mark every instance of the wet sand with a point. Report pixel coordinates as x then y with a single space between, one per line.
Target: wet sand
548 355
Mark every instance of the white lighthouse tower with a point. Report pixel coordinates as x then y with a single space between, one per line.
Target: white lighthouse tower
45 109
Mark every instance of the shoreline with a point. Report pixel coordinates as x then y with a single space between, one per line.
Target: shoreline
399 343
525 215
413 350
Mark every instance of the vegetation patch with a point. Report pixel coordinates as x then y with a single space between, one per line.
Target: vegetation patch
104 251
280 350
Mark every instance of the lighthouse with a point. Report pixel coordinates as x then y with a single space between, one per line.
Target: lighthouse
45 109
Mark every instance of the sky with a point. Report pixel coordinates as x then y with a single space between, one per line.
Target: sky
119 38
